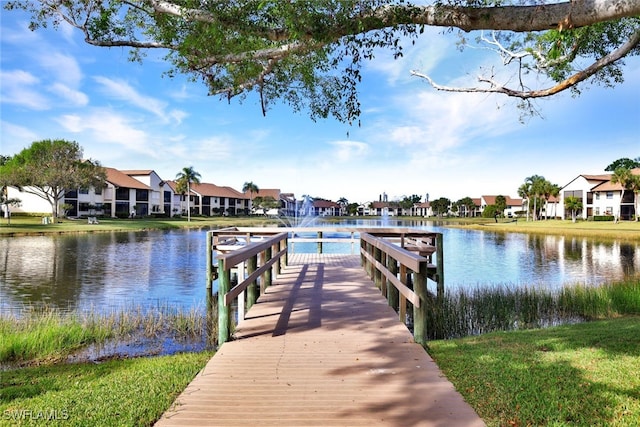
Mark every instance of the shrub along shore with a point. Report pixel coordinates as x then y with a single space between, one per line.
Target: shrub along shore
574 374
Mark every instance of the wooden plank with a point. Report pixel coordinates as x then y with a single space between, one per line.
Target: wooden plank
321 347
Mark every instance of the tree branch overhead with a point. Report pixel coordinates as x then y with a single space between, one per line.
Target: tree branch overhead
309 54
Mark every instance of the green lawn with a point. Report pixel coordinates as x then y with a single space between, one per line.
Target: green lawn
625 230
130 392
586 374
26 225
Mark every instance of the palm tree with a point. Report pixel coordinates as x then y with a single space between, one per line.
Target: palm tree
251 188
343 202
635 187
524 191
627 180
552 190
572 204
184 178
536 186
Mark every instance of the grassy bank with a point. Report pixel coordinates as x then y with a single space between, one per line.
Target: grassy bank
26 225
131 392
624 230
573 375
30 225
47 335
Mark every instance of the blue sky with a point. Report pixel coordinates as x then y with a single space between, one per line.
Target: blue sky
412 140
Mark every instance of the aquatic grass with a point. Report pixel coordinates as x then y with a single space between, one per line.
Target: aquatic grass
48 334
483 309
42 334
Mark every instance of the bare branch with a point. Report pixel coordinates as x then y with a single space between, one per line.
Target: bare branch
576 78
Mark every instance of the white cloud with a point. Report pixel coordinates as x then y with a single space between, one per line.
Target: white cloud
75 97
214 149
105 130
346 151
60 67
423 53
15 137
21 88
121 90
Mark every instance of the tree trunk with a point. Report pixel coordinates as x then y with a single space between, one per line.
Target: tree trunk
188 202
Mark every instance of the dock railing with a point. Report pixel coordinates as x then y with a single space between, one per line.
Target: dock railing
398 260
400 264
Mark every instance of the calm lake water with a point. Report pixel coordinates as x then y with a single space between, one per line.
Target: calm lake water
104 271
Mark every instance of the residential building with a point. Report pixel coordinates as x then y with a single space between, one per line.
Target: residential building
599 196
161 197
513 206
422 209
122 197
326 208
211 200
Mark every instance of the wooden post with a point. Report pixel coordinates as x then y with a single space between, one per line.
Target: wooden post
392 291
384 282
402 304
420 313
275 248
242 296
209 262
319 242
283 258
377 255
369 264
252 289
263 277
440 266
224 311
352 242
268 275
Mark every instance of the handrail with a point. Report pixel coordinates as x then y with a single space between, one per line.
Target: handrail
398 260
233 258
384 258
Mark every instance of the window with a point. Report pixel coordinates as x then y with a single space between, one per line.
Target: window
98 191
597 195
167 196
609 194
609 210
142 195
71 194
574 193
597 211
84 191
122 194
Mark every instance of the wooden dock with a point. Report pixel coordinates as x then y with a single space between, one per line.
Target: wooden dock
321 348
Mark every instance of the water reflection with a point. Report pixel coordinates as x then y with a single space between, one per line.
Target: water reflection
105 270
113 270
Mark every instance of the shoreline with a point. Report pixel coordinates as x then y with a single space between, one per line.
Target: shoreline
22 226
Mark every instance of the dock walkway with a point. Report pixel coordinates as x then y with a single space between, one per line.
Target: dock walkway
321 348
